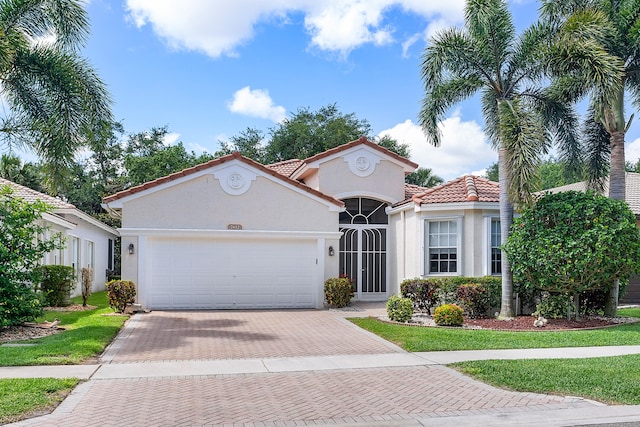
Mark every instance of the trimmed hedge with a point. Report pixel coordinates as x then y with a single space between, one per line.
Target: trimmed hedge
427 293
448 315
338 292
121 293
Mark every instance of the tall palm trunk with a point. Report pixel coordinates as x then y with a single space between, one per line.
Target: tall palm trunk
506 219
617 191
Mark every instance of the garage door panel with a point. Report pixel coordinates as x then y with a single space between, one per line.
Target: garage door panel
207 273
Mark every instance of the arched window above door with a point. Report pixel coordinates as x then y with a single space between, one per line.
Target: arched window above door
364 211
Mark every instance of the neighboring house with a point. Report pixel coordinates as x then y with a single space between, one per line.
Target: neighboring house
89 242
232 233
632 197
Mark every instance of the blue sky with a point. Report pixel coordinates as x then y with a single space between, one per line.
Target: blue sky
208 69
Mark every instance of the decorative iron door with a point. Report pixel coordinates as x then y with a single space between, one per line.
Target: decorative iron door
363 258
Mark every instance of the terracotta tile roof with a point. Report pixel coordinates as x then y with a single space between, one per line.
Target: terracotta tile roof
632 192
212 163
411 190
361 141
286 167
31 196
468 188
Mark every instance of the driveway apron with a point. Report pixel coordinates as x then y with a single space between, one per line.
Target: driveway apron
198 335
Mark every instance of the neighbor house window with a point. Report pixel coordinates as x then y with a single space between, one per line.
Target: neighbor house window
496 253
75 255
442 253
90 254
110 254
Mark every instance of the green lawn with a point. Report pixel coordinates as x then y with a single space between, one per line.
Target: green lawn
86 336
415 338
21 398
606 379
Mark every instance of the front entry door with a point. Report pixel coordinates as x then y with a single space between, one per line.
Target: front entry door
363 258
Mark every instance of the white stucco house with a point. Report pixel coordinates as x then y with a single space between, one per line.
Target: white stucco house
233 233
89 242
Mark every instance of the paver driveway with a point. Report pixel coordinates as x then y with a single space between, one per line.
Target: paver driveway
367 396
197 335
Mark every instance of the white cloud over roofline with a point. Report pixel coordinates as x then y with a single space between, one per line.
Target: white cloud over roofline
462 150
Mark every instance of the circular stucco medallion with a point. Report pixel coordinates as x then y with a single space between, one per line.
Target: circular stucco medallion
235 181
362 163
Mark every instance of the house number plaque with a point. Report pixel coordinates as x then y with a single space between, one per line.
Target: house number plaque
234 227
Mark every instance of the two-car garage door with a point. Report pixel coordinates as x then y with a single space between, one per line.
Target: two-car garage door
206 273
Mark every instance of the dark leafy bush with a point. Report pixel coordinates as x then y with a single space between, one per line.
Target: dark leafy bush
448 315
56 284
475 298
399 309
572 242
423 293
338 292
121 293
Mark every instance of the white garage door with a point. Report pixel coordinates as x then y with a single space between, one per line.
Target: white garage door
218 274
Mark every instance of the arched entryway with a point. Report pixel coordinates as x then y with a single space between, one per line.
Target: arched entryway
363 247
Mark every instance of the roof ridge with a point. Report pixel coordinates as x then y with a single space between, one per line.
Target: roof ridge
472 191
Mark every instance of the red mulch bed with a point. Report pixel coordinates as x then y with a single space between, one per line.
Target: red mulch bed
525 323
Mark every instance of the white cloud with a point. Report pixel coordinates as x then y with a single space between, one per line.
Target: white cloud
170 138
256 103
219 27
632 151
462 150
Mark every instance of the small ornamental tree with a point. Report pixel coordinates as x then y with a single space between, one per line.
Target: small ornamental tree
21 249
573 242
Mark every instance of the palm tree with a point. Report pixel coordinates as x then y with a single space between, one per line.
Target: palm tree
423 177
53 94
597 54
487 56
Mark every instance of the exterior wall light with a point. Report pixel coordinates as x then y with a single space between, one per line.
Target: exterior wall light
131 249
331 251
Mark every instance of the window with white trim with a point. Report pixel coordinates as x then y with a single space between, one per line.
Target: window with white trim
442 247
495 251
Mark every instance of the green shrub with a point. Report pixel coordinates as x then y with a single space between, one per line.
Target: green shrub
448 315
121 293
20 256
573 242
399 309
56 284
554 306
338 292
475 298
422 292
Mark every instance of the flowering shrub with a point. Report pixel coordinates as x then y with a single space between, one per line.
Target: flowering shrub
448 315
399 309
475 298
338 291
121 293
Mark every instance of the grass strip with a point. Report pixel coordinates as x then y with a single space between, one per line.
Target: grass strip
612 380
26 397
417 338
86 336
